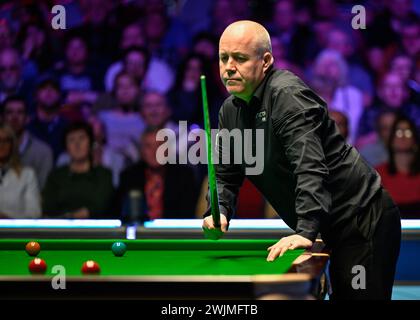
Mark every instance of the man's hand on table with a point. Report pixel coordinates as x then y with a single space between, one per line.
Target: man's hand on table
211 231
288 243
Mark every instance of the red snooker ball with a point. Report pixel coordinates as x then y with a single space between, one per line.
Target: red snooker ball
37 265
33 248
90 267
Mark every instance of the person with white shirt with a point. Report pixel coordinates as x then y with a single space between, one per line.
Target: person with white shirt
19 192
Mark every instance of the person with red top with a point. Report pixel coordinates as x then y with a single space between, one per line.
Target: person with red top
401 174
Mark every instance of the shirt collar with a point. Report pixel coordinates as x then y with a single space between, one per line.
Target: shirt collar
258 94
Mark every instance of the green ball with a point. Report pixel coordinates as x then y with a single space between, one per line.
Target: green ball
119 248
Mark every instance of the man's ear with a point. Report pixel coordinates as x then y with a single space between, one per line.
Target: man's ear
268 61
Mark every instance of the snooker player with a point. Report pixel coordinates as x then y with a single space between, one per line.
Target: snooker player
314 180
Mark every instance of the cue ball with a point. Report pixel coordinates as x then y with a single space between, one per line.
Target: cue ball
33 248
90 266
119 248
37 265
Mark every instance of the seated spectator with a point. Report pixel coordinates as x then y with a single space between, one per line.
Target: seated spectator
375 150
207 44
158 74
47 124
78 80
185 97
401 175
124 123
296 38
392 95
79 190
347 99
341 121
280 59
403 65
33 152
103 155
35 45
169 190
342 42
19 193
156 112
410 36
11 76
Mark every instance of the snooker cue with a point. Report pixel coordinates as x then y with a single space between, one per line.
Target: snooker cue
214 198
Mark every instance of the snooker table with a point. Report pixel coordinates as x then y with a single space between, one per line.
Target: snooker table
165 269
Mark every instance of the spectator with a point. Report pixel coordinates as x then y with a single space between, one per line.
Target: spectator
403 65
102 154
123 123
347 99
132 40
206 45
155 111
185 97
392 95
375 150
33 152
47 124
385 30
341 41
280 60
35 46
79 190
167 38
78 79
297 39
410 37
169 190
6 38
222 14
401 175
11 79
19 193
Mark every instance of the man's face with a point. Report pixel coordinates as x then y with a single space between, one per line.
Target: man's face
385 123
241 67
76 51
135 64
132 36
411 39
10 70
402 66
15 116
126 90
149 147
155 110
78 145
392 91
48 97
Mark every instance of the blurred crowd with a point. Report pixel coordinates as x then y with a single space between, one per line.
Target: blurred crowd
81 107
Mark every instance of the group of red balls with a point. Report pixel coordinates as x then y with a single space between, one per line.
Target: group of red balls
38 265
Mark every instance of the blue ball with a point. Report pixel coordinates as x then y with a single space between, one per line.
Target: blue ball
119 248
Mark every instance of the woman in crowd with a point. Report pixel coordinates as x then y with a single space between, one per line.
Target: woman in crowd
79 190
19 193
401 174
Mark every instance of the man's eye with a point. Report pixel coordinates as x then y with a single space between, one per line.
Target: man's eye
224 58
241 59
